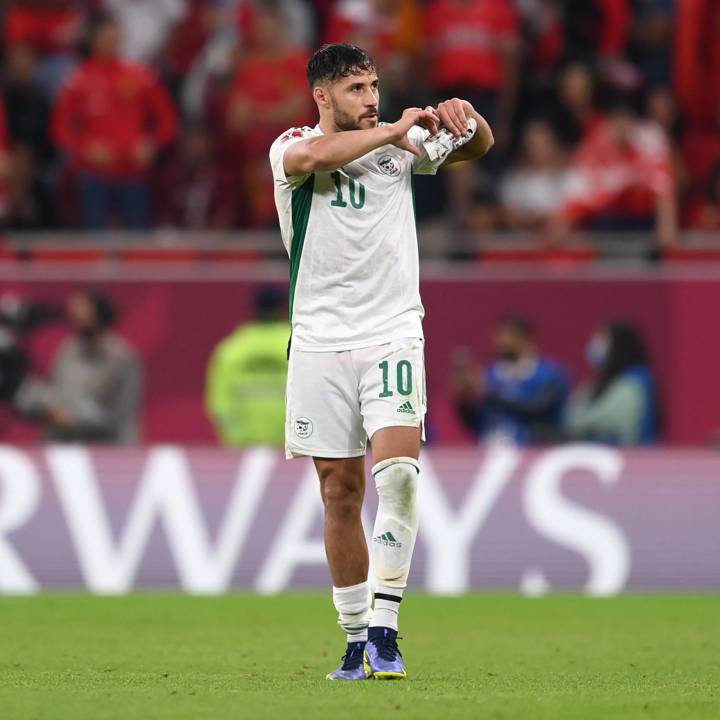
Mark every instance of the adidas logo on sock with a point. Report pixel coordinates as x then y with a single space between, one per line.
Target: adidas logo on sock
388 540
406 407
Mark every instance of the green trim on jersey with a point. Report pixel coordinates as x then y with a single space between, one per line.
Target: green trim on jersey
301 202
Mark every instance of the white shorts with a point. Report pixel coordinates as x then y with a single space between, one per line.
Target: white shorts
335 401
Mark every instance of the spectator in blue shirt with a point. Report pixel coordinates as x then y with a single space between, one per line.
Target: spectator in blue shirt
620 405
520 397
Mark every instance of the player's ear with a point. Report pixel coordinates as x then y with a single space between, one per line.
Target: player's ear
321 96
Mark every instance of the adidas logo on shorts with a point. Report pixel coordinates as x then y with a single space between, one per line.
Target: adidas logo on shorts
406 407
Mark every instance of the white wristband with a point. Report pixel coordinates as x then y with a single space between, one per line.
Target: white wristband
439 146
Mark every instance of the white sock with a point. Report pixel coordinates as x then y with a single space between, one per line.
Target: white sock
387 607
396 522
353 606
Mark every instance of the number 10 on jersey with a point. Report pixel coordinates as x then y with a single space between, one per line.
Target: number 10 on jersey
356 192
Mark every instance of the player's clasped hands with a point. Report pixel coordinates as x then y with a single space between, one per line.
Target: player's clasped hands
452 115
426 118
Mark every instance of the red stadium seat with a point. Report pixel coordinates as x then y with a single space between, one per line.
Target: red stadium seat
234 255
538 254
692 254
60 254
158 255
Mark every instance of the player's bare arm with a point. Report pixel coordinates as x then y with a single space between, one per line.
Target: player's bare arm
453 114
332 151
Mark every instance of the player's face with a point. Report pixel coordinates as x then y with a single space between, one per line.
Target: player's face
355 101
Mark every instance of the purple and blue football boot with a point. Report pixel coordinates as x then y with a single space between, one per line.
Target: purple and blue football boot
383 660
352 667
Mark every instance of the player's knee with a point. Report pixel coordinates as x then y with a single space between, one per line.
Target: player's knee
396 481
341 493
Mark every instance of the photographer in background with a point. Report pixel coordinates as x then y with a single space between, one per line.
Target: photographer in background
94 393
520 397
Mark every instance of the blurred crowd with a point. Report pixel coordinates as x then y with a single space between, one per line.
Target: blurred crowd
93 391
525 397
152 113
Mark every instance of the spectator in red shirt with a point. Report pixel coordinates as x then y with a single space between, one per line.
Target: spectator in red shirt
268 96
112 118
472 50
697 60
621 179
472 53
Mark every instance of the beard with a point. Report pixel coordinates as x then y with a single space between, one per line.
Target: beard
345 121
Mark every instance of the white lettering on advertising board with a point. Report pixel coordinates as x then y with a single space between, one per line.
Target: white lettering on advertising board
168 496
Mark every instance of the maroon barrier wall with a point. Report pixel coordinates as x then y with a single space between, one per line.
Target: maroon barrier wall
176 320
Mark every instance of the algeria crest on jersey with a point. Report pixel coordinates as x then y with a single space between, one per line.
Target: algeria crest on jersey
389 165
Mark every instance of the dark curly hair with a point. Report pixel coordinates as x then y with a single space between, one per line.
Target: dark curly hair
336 60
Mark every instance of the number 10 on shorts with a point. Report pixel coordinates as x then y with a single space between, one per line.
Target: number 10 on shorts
403 378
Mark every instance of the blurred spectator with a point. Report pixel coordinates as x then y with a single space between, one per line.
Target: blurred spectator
29 119
661 107
533 189
472 49
145 24
194 190
520 397
30 203
701 153
94 393
651 42
4 165
620 406
621 179
112 118
389 30
270 85
30 186
703 211
697 61
245 393
573 110
52 30
596 28
185 42
296 15
542 36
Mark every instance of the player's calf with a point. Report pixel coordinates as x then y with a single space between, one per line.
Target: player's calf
393 541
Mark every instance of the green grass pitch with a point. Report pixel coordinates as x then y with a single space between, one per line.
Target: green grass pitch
242 656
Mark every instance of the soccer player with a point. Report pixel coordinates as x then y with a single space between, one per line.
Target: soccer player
343 191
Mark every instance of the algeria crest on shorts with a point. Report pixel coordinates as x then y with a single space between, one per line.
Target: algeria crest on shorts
303 427
389 165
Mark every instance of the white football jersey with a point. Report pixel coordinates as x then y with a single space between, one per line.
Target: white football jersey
350 235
